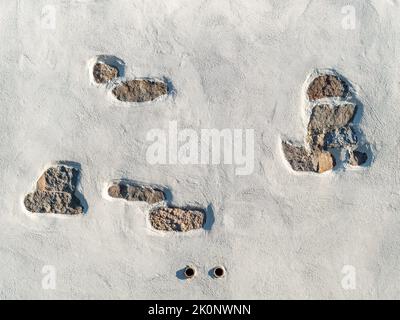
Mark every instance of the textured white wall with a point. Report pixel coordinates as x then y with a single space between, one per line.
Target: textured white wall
234 64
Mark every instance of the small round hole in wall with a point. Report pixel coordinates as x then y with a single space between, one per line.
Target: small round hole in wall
189 272
219 272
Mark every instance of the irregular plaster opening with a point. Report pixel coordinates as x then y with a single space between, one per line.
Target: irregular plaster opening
103 73
327 86
56 192
140 90
131 192
331 128
177 219
106 68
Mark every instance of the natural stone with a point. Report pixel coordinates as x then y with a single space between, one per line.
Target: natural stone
327 86
53 202
308 161
330 129
136 193
326 162
176 219
326 118
55 192
103 73
140 90
59 178
329 126
299 158
358 158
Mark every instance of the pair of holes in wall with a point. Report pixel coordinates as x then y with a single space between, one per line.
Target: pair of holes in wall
217 272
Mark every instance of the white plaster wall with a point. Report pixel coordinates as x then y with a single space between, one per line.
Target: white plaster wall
234 64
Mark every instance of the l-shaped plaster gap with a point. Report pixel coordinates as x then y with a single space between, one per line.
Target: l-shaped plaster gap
331 106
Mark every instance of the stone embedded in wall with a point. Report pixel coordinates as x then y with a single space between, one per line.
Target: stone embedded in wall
56 192
308 161
103 73
327 86
53 202
326 117
131 192
176 219
326 161
299 158
329 126
61 178
140 90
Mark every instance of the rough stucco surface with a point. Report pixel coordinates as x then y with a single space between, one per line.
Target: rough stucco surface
234 64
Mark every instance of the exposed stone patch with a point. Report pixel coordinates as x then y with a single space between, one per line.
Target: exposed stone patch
299 158
140 90
329 126
58 179
326 161
327 86
309 161
55 192
130 192
53 202
326 118
103 73
330 129
176 219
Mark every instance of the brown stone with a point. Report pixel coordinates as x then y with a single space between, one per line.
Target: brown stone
308 161
140 90
53 202
176 219
136 193
55 192
325 118
103 73
327 86
330 128
326 162
59 178
299 158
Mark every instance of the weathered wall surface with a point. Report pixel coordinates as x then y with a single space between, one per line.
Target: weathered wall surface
233 64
